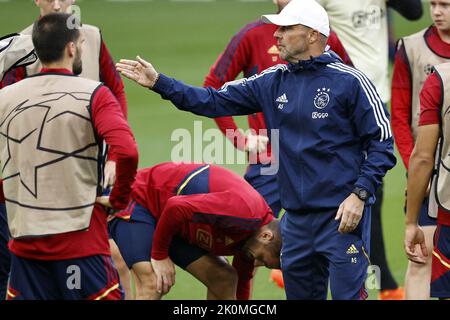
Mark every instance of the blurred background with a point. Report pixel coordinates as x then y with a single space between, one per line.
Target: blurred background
182 38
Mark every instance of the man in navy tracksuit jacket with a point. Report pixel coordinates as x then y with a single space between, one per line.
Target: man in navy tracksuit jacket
335 146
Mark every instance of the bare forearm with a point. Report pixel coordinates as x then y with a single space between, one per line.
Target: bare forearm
419 174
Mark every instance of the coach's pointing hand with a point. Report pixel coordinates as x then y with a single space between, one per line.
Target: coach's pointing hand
350 212
140 71
165 274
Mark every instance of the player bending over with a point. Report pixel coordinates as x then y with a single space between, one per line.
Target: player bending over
191 215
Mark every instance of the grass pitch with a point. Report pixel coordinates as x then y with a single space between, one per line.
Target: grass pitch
183 39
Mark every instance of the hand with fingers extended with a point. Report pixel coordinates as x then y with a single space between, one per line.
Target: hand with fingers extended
139 70
414 243
350 212
165 274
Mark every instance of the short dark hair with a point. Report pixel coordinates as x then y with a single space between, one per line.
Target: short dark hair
51 34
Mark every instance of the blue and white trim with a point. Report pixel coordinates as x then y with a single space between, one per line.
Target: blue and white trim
372 96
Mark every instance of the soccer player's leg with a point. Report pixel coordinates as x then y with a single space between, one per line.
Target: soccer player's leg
134 239
88 278
119 263
122 268
417 279
266 185
5 256
440 278
305 272
214 272
135 242
145 280
32 280
349 259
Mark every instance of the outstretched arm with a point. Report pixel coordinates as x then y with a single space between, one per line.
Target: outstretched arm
235 98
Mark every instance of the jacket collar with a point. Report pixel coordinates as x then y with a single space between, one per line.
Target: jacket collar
315 63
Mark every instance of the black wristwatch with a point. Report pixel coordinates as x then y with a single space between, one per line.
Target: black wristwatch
361 193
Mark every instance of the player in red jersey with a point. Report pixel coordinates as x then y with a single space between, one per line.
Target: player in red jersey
56 227
192 214
414 59
433 127
252 50
98 66
15 50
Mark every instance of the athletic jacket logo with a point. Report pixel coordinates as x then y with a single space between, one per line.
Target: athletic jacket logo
352 250
282 100
319 115
273 50
322 98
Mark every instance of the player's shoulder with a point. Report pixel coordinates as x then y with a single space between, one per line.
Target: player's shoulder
99 87
436 78
408 45
16 86
28 30
91 32
415 36
89 28
443 68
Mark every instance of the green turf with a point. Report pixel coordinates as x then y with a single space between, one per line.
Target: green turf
183 39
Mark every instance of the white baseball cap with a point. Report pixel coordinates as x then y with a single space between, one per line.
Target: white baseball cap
305 12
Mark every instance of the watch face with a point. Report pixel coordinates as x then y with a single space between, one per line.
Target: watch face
363 194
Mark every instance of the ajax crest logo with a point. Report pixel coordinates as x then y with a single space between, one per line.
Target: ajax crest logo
322 98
